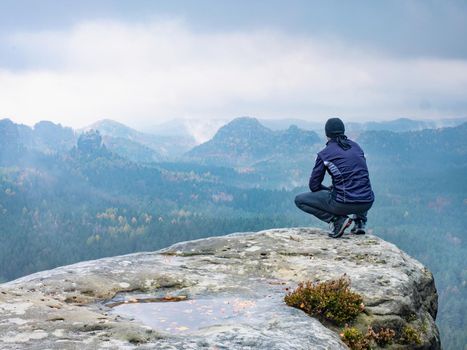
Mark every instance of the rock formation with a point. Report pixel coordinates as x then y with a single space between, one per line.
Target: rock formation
74 307
90 142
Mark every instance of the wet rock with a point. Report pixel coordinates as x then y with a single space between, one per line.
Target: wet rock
65 308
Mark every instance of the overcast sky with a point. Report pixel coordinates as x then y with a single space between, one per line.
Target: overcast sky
146 62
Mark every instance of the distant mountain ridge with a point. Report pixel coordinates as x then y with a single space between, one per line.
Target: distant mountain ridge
45 137
245 141
203 130
241 142
139 146
448 143
355 128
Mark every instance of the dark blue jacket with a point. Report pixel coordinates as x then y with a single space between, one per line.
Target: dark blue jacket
350 179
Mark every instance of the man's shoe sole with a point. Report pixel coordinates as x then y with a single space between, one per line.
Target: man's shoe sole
359 232
344 226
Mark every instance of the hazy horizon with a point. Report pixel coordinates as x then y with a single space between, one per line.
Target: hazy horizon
148 123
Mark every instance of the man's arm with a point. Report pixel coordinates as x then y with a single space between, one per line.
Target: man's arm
317 176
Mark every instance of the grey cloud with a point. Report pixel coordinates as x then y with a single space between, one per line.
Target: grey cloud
165 69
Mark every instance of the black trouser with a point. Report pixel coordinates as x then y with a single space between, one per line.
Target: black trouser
324 207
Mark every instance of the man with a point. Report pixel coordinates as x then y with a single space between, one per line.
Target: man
350 192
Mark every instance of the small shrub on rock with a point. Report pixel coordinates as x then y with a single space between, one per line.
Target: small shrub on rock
383 337
356 340
331 300
411 336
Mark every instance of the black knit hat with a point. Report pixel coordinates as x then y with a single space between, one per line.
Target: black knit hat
334 127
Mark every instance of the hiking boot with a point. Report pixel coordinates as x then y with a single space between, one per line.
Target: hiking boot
358 228
339 225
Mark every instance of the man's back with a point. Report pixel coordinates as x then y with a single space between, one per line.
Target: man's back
351 182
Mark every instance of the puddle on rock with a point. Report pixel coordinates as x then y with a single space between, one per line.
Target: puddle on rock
185 316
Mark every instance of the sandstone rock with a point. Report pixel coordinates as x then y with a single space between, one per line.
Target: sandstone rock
67 308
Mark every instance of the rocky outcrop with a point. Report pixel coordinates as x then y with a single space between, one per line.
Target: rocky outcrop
90 142
74 307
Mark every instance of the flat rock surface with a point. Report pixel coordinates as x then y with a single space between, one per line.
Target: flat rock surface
231 290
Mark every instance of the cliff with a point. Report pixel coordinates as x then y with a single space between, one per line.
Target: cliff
217 293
